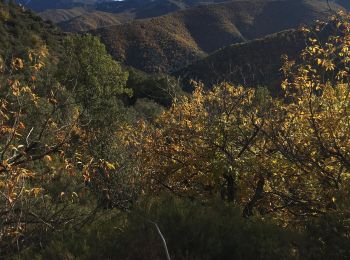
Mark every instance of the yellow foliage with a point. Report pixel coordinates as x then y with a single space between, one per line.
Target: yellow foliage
289 157
30 134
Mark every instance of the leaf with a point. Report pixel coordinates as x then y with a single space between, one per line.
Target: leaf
110 166
48 158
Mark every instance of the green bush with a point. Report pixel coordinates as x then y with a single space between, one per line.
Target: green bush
331 232
192 231
160 88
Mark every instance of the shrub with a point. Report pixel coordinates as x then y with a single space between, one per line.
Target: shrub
192 231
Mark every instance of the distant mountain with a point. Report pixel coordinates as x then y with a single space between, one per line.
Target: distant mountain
253 63
62 15
41 5
78 17
90 21
184 32
151 8
112 6
82 15
170 42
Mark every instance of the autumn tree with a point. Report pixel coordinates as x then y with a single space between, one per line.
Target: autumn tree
287 156
204 145
36 125
309 129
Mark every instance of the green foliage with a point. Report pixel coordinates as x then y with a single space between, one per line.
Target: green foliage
161 88
98 86
21 30
191 230
196 231
63 162
95 79
331 232
97 83
36 126
44 123
147 109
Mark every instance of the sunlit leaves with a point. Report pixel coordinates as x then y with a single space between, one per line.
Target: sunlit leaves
201 143
289 157
310 128
33 136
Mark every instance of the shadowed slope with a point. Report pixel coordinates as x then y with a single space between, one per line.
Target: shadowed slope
253 63
170 42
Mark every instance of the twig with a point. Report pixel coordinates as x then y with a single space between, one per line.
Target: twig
28 136
163 239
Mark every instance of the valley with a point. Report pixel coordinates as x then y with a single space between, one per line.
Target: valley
174 129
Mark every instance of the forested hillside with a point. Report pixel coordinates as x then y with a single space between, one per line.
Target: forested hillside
85 15
80 11
99 160
23 30
170 42
127 10
90 21
253 63
41 5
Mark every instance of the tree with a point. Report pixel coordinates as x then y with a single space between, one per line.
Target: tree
204 145
36 127
95 79
288 156
309 129
98 85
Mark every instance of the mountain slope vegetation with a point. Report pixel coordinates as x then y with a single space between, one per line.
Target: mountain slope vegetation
91 12
170 42
72 14
42 5
151 8
62 15
252 63
89 21
22 30
227 172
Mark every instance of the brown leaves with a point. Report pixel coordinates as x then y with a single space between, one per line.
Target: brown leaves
198 141
32 137
17 64
299 145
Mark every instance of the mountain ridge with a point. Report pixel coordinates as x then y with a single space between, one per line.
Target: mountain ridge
171 42
253 63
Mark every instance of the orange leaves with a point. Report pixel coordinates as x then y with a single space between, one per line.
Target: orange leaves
323 60
327 64
36 59
311 130
17 64
110 166
196 141
34 192
299 145
48 158
33 138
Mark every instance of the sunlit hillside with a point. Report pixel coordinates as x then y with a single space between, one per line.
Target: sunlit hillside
177 129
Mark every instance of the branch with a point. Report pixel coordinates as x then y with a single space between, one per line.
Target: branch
163 240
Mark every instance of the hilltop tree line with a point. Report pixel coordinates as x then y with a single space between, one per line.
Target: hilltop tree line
101 161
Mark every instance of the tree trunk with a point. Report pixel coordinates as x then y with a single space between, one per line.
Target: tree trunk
258 195
228 192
